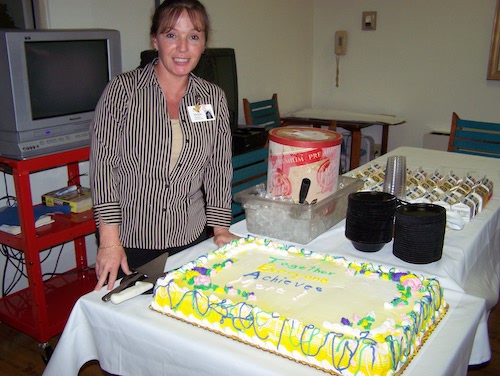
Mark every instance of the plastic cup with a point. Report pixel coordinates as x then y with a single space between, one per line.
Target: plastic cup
395 176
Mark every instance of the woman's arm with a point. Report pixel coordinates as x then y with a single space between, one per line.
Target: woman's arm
219 172
104 158
110 256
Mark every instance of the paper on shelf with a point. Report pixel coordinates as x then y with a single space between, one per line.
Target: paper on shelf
16 230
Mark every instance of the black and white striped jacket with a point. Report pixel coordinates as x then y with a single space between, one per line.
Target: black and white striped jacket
131 182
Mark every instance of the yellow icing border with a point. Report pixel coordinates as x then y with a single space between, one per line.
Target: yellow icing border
425 337
309 360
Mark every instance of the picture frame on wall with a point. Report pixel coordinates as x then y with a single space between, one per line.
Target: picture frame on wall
494 62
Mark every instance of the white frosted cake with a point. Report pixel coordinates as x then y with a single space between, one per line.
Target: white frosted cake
342 317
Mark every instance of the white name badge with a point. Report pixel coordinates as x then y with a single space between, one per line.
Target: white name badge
202 112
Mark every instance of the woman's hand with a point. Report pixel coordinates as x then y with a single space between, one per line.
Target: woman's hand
109 260
223 236
110 256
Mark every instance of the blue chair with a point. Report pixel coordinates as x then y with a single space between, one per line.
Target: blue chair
474 137
263 115
249 169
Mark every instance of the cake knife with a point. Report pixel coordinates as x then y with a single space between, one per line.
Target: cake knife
141 280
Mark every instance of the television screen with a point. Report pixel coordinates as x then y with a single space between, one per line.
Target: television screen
51 81
65 77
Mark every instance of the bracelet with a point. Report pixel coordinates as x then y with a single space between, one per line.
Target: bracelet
110 246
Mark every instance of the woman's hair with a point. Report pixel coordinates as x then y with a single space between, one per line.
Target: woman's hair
168 12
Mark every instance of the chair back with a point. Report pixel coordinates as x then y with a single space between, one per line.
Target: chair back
474 137
262 114
249 169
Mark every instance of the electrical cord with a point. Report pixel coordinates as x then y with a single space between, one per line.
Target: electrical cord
7 196
57 262
17 261
14 259
9 200
79 186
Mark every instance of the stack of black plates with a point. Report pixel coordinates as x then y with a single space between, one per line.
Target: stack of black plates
419 233
370 220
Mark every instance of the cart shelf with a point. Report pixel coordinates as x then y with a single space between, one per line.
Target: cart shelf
42 309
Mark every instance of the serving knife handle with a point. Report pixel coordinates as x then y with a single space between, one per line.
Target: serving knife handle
304 190
131 292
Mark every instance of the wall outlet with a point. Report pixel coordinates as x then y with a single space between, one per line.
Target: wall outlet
369 21
377 148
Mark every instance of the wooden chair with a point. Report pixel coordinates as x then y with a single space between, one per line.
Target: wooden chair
474 137
265 115
262 114
249 169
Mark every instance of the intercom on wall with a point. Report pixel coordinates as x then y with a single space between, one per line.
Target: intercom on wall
340 42
340 49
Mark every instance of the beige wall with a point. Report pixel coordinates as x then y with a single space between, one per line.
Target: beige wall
426 59
130 17
273 44
272 39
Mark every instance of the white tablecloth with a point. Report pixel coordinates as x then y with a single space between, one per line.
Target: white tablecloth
130 339
471 256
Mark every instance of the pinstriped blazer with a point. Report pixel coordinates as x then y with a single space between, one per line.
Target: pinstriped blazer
131 182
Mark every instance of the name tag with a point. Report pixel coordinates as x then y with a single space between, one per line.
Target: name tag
202 112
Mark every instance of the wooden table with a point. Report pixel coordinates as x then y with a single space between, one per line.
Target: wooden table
352 121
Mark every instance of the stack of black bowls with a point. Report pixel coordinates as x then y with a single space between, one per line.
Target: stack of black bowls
370 219
419 233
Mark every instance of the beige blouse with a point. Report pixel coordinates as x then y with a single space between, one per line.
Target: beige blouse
176 142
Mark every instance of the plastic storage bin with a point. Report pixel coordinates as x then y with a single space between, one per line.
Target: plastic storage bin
298 223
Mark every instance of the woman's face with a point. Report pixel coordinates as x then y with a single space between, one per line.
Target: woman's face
180 48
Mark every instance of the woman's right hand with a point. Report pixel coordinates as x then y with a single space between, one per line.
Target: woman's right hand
110 256
109 260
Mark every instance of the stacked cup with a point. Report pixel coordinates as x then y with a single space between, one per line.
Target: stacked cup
419 233
370 219
395 176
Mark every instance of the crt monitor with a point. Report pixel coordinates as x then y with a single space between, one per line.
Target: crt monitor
53 80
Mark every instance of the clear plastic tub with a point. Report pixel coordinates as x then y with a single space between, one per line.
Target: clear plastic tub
298 223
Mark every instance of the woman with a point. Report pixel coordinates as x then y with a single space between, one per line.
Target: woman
160 169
